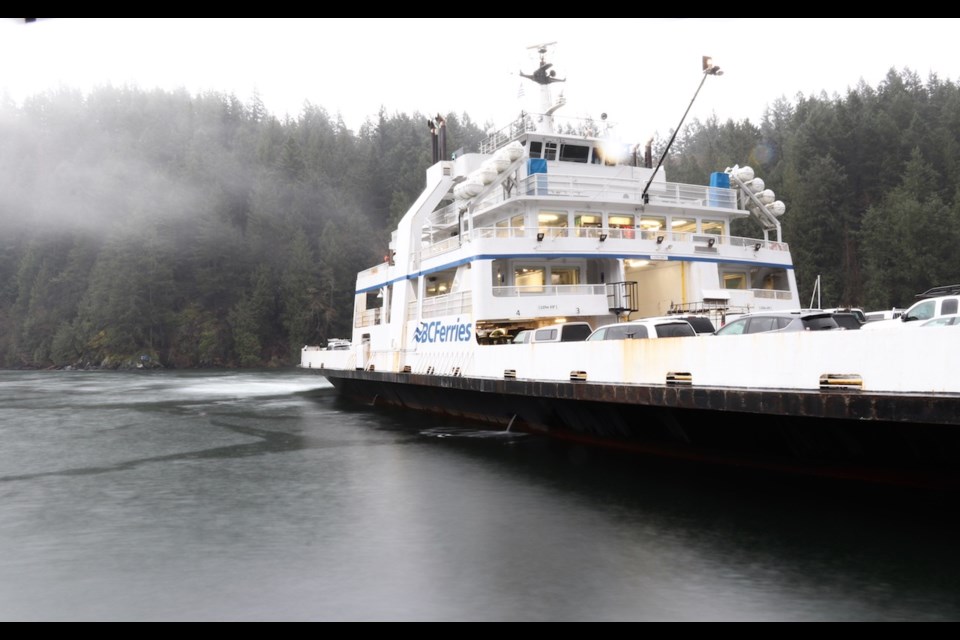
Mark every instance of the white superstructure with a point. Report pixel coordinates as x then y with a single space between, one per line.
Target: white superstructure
541 226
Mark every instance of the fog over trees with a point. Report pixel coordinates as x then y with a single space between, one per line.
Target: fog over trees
204 232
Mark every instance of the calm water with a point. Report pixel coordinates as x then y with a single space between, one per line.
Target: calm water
260 496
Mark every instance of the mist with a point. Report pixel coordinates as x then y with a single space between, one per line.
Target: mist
196 230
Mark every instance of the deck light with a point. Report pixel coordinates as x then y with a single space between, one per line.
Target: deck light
603 237
711 242
659 239
540 237
757 246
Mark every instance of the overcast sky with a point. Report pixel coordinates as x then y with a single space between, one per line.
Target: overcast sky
642 71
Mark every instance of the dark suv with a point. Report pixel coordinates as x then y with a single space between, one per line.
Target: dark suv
770 321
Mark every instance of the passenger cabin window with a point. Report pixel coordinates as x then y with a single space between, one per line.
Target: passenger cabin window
653 223
564 275
574 153
554 223
550 151
439 283
530 279
623 225
652 226
585 222
374 299
713 227
683 225
734 280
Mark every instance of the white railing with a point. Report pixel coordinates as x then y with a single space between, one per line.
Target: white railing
446 216
446 305
620 189
597 189
437 248
606 233
755 244
581 127
771 294
550 290
367 318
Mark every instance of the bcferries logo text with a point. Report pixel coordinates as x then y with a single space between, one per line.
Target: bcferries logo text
436 331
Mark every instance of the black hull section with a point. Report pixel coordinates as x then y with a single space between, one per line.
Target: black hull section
901 439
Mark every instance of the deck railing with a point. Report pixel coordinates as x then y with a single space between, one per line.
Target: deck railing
368 318
550 290
596 233
595 189
449 304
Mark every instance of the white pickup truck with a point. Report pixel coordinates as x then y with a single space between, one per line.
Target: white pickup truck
922 310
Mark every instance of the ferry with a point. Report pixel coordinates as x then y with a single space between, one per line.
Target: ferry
551 222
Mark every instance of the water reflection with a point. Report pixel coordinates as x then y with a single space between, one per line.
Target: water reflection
258 496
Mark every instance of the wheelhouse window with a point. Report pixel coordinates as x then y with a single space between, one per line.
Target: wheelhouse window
574 153
545 150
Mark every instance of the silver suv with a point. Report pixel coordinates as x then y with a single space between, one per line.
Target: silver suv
771 321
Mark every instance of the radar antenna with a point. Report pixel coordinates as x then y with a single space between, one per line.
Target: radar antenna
544 75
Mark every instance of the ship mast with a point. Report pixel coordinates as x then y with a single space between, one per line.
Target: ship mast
545 76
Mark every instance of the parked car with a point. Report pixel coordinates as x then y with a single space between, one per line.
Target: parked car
523 336
878 316
775 321
847 320
942 321
646 328
932 308
566 332
701 324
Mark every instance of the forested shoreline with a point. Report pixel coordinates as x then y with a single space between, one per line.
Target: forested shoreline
179 230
